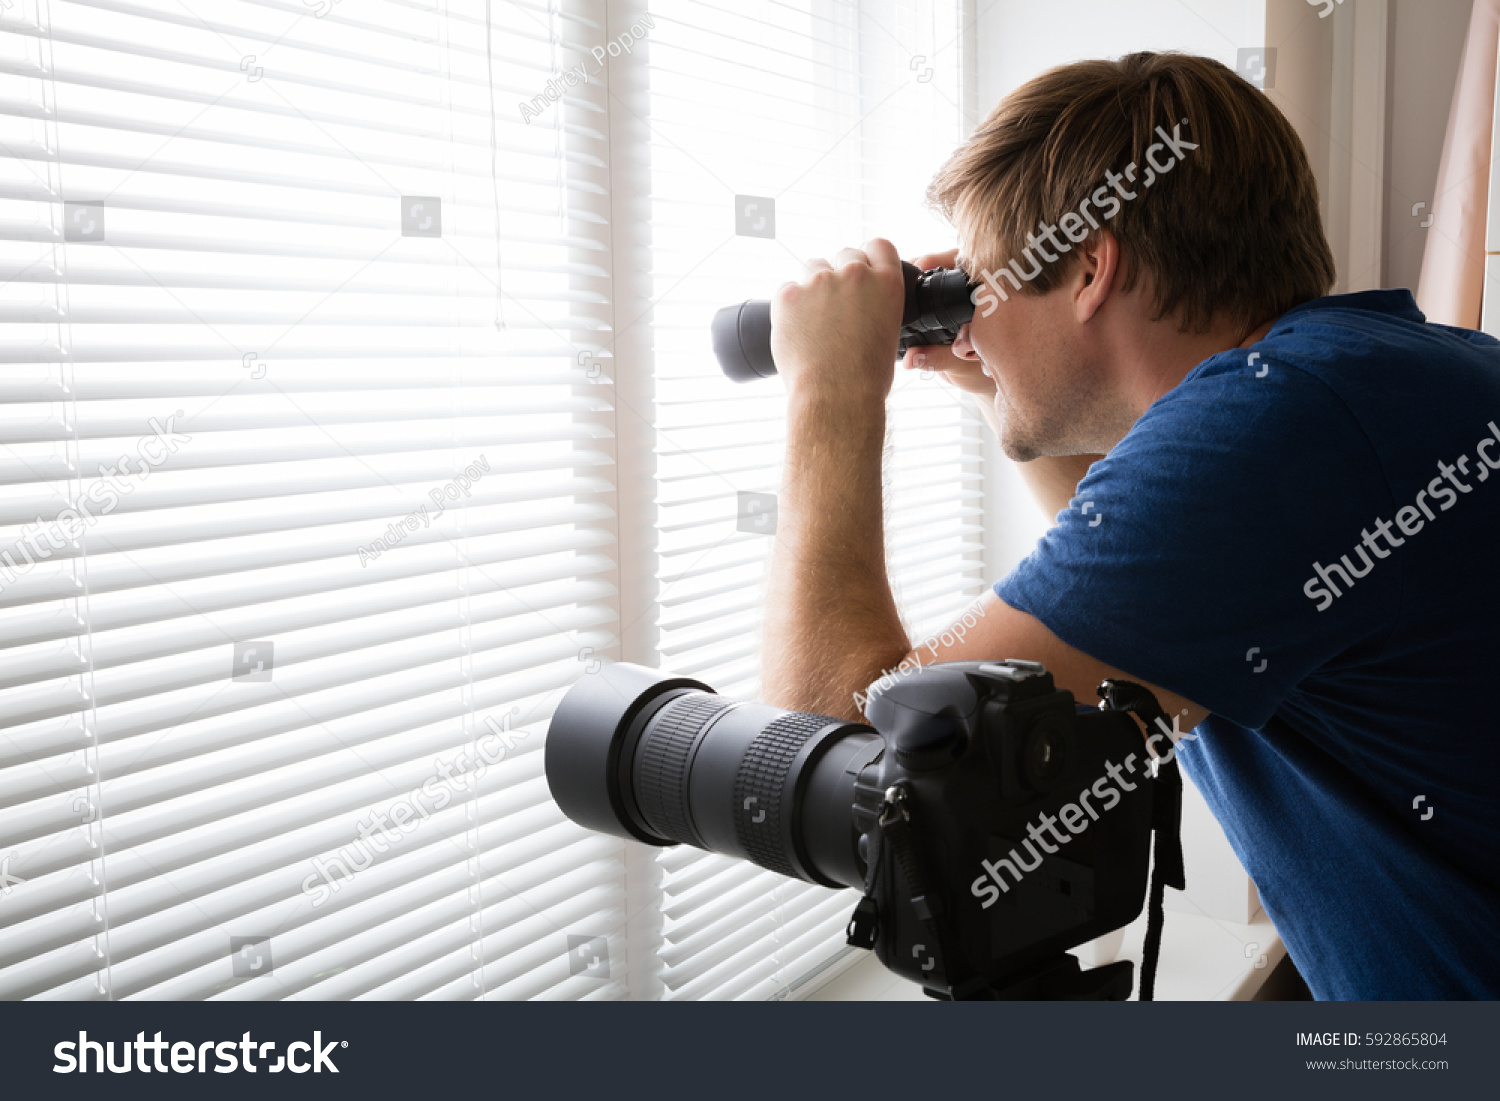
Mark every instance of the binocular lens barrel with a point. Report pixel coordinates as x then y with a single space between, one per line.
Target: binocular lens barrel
742 340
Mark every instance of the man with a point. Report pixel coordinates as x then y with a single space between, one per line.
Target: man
1291 532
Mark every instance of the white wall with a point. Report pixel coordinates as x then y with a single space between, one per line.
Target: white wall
1020 38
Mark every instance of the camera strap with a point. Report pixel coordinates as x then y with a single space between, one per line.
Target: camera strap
1167 868
864 924
893 830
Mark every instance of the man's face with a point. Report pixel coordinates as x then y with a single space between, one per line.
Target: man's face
1051 395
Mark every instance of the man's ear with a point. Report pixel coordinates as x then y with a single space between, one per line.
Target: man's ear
1095 272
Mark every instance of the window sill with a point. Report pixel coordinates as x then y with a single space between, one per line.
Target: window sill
1202 959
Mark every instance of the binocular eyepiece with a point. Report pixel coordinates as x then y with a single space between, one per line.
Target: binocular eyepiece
939 302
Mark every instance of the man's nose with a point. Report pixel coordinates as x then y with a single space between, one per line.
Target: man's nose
962 348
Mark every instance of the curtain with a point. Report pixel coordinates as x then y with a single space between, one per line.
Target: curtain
1451 289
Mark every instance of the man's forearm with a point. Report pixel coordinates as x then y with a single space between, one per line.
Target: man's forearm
831 623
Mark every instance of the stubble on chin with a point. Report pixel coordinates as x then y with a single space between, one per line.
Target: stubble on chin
1082 425
1018 453
1018 439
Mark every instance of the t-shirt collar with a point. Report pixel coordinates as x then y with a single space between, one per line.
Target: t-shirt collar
1397 302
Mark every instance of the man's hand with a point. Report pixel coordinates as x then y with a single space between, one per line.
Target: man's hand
835 333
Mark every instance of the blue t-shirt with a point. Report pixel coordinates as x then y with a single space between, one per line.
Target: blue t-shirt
1303 537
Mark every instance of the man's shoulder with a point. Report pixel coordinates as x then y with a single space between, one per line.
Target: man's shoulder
1353 341
1243 409
1337 368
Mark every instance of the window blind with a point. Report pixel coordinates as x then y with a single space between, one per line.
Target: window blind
312 501
780 132
306 500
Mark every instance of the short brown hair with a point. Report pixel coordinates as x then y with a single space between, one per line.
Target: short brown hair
1231 230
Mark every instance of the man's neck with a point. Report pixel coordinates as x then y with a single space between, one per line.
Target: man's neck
1164 356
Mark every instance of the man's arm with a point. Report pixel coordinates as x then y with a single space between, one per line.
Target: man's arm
830 619
831 624
1005 632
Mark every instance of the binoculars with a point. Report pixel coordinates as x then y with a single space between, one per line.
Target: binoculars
939 302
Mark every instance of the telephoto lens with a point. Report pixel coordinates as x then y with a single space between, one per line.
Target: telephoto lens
939 302
665 760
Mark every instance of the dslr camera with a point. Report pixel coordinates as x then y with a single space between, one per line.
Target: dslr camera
989 822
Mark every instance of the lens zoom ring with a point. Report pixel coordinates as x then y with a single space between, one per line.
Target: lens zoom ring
663 760
759 783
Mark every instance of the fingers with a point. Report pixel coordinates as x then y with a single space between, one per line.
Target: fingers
882 253
932 357
966 375
947 259
879 253
846 256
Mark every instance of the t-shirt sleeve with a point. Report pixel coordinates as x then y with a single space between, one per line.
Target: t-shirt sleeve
1189 557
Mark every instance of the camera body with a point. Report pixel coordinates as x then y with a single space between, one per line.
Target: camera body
1029 827
990 821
